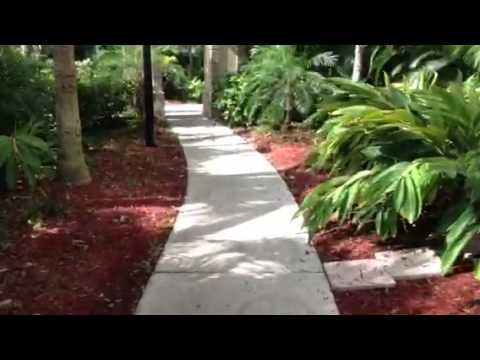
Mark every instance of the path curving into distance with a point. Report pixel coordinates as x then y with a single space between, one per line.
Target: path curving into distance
234 248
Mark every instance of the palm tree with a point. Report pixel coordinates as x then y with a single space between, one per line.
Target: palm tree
279 82
71 161
359 62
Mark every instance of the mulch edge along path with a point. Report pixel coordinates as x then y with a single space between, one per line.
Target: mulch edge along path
458 294
95 252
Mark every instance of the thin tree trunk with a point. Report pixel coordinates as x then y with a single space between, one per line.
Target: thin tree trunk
288 108
148 94
159 93
71 160
288 116
243 52
359 63
30 50
190 61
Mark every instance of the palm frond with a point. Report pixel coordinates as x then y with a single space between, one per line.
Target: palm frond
391 157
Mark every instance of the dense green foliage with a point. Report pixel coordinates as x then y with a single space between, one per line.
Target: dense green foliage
230 100
195 89
275 88
104 94
276 74
27 111
22 151
110 92
401 146
26 91
393 153
449 62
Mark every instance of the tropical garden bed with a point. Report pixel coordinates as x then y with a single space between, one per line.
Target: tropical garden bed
94 255
85 205
394 163
457 294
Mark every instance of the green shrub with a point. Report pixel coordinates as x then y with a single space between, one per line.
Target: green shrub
175 80
24 153
229 100
103 95
274 89
195 89
26 92
450 62
396 155
279 82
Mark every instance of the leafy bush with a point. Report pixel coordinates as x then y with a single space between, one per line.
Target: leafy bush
26 91
275 88
229 100
27 97
450 62
278 83
103 94
398 154
339 92
195 89
22 152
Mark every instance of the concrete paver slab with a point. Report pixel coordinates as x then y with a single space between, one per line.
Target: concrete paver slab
358 275
411 264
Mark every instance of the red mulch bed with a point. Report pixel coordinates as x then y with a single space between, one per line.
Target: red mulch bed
96 255
458 294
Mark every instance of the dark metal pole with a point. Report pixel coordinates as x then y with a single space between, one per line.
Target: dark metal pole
148 93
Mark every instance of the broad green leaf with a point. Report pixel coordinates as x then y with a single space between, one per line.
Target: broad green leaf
412 206
476 270
11 173
455 247
400 195
33 141
6 149
460 225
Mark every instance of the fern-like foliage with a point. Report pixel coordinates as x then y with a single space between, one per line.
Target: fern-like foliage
393 152
277 83
326 59
23 153
450 62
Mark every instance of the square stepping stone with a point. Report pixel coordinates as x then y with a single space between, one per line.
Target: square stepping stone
410 264
358 275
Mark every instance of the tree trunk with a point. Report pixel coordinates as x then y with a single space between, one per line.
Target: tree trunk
148 94
243 53
288 108
359 63
159 93
71 161
31 50
190 61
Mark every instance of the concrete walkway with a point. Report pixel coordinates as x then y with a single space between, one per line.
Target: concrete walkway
234 248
